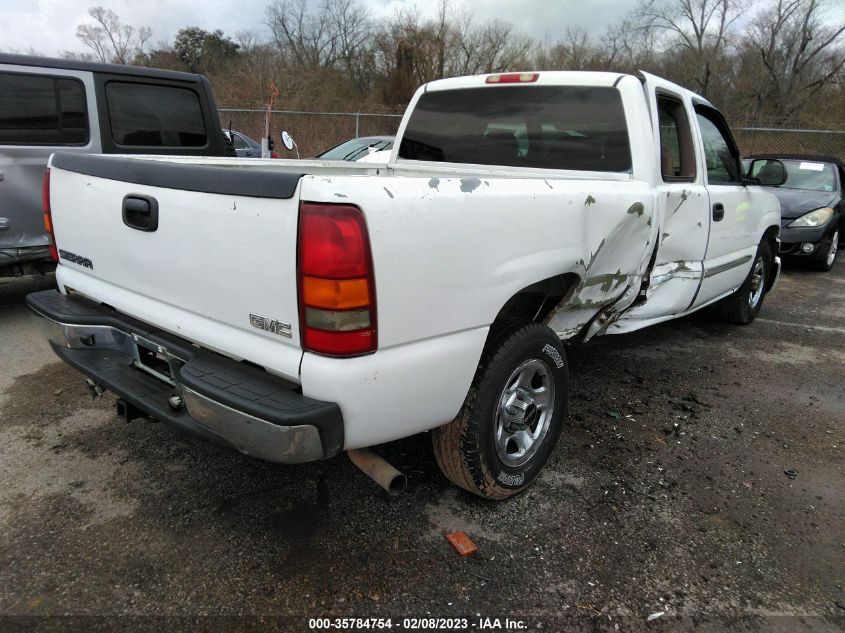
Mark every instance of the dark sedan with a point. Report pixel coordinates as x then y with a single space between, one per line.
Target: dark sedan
812 204
245 147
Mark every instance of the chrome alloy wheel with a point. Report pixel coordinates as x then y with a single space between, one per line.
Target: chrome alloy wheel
834 246
758 283
525 410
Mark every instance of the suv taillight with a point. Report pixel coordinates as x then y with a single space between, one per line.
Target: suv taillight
48 216
337 292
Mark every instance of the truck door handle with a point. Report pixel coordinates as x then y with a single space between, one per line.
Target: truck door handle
718 212
140 213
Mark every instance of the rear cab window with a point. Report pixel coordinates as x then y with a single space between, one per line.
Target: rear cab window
38 109
677 152
541 127
152 115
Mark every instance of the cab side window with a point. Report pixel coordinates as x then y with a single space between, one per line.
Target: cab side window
677 156
42 110
151 115
720 153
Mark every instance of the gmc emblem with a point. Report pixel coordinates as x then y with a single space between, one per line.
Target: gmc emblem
270 325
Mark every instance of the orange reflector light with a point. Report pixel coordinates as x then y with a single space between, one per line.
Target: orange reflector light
335 294
513 78
48 215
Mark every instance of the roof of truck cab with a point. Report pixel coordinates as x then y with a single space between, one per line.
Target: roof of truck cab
96 67
544 77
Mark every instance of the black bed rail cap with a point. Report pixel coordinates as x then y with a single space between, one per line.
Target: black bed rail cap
235 179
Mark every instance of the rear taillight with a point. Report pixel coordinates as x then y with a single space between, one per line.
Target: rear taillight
337 307
48 216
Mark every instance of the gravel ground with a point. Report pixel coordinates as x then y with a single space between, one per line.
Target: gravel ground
701 475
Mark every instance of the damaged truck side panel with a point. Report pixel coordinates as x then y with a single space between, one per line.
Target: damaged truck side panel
431 292
596 237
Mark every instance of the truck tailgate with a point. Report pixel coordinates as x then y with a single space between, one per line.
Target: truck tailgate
219 269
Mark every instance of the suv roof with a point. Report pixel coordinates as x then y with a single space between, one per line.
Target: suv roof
113 69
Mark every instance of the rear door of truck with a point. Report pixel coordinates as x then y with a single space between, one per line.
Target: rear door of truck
205 252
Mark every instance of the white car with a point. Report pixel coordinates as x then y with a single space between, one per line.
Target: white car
297 309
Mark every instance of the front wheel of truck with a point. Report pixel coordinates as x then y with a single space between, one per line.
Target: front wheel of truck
743 305
512 416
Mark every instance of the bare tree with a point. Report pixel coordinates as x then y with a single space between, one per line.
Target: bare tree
576 51
337 31
628 46
490 47
800 52
699 28
110 39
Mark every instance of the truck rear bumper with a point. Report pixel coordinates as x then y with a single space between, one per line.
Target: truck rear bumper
171 380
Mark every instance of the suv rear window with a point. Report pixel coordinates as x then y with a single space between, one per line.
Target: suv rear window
546 127
148 115
42 110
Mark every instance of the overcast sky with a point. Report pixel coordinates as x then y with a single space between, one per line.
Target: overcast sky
49 26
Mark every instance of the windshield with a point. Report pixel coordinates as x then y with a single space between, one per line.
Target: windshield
802 174
356 148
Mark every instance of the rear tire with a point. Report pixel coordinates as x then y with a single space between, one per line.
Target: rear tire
743 305
512 416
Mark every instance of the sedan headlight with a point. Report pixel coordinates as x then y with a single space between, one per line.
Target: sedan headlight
813 218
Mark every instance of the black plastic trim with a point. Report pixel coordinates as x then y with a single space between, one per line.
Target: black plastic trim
145 393
140 212
236 181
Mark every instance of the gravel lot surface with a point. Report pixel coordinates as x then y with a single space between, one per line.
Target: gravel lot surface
702 476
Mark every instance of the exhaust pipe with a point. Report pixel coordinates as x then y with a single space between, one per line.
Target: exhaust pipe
378 470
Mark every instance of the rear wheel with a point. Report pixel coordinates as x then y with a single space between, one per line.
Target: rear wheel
743 305
512 416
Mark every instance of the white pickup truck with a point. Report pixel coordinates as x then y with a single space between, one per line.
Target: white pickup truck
296 309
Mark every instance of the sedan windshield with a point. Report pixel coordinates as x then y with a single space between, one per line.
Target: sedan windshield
809 175
356 148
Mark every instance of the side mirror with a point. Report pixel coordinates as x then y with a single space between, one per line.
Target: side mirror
768 172
289 143
287 140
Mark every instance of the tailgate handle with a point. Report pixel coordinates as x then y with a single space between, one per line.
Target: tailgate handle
140 212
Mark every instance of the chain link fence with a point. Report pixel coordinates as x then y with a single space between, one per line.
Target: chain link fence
315 132
762 140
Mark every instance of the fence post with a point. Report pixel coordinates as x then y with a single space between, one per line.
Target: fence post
357 123
265 138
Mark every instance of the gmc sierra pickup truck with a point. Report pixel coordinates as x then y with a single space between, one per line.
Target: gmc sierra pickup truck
296 309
